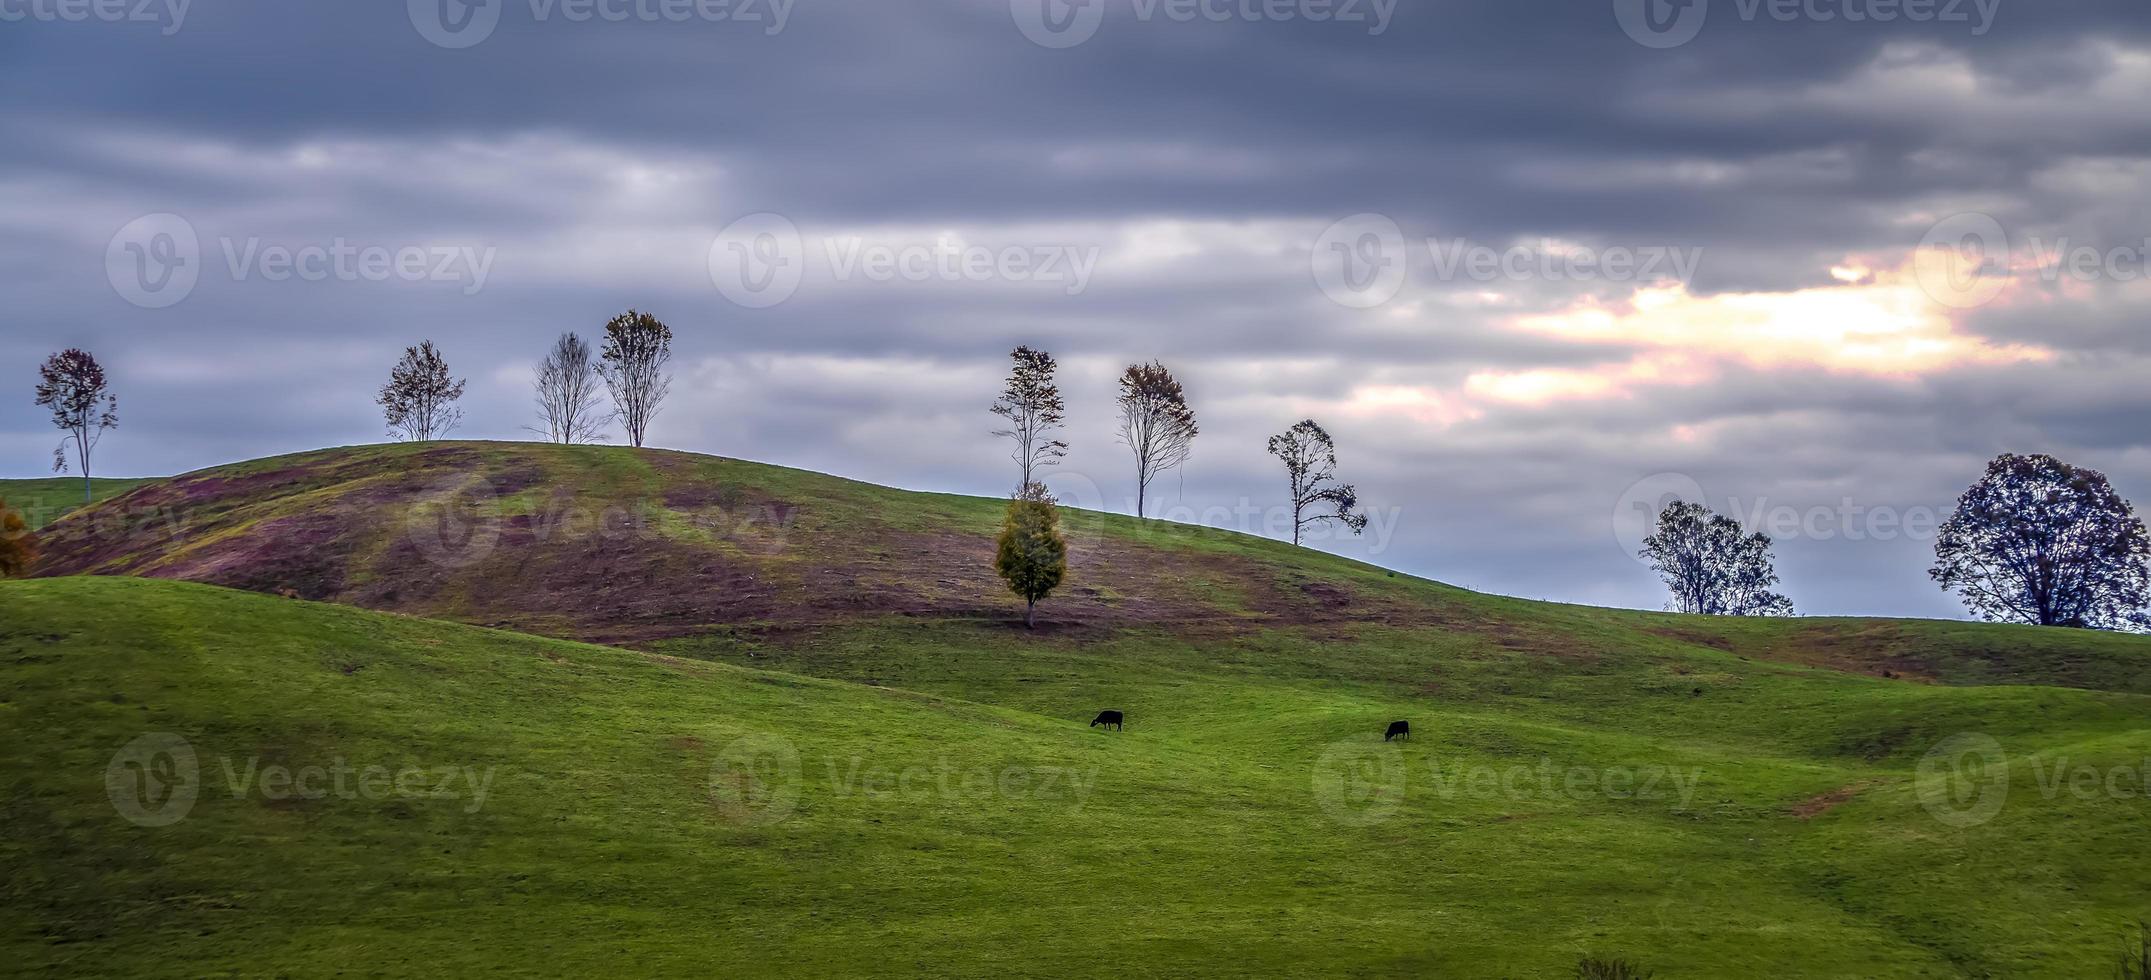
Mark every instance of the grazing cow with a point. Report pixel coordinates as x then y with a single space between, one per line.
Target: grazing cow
1110 719
1398 729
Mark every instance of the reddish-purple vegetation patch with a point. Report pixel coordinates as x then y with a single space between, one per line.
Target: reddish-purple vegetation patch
428 531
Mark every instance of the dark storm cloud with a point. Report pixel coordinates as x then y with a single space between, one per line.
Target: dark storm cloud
593 162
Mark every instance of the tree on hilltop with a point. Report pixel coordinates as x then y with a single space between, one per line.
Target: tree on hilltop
567 385
634 366
1711 565
1031 402
2041 542
71 385
1310 460
419 399
1155 423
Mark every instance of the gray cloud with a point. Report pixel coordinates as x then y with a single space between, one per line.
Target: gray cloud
594 162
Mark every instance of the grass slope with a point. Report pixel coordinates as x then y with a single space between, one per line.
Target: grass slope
617 545
1249 820
45 500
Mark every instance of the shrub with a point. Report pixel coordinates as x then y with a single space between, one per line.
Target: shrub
2136 956
18 547
1032 555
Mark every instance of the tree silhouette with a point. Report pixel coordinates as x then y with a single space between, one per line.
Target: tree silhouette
638 348
1031 554
71 385
1311 465
1031 403
2039 541
1711 565
567 387
419 399
1155 423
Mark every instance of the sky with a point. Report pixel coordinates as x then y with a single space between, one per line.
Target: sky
1538 267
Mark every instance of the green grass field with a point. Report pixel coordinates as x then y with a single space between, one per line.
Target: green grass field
645 813
45 500
878 771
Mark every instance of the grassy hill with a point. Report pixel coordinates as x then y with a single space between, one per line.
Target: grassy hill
616 545
45 500
832 749
643 813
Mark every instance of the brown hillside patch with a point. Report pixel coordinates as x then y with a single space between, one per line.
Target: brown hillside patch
1814 806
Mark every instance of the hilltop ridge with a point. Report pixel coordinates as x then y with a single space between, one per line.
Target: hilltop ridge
627 546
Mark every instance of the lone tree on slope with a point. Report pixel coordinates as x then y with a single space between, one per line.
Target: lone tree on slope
638 349
1032 405
18 547
1711 566
2039 541
419 399
1155 423
71 385
1031 554
567 385
1311 465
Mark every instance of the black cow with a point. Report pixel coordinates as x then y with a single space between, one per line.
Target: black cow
1398 729
1110 719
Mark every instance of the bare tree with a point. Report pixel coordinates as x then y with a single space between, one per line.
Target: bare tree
1712 566
71 385
567 385
1155 423
1032 405
638 348
419 399
1311 464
